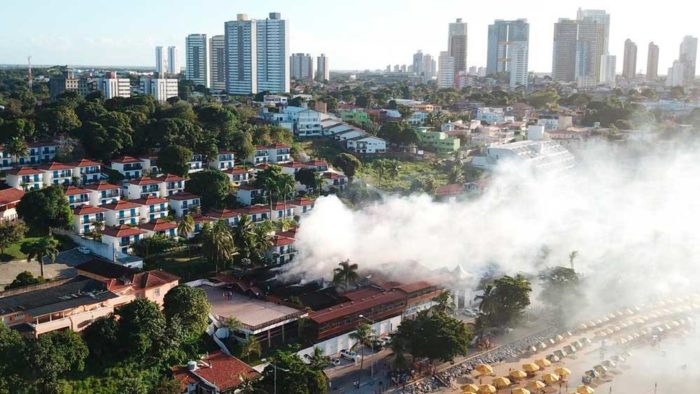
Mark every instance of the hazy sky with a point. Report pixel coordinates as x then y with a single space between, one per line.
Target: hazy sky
356 34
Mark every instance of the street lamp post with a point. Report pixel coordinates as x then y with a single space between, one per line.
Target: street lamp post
275 368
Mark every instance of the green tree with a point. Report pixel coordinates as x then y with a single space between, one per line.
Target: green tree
40 248
17 147
363 336
154 245
218 245
141 329
348 163
54 354
307 177
318 360
456 175
102 338
250 347
345 274
293 376
55 120
12 359
434 335
561 288
245 238
10 233
213 186
185 226
445 303
24 279
44 209
175 159
505 300
190 306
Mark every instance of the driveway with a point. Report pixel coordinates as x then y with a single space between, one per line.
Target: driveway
62 268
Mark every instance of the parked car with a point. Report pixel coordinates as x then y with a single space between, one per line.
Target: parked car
349 354
335 361
83 250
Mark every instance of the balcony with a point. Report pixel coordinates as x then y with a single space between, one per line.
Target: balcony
90 170
132 167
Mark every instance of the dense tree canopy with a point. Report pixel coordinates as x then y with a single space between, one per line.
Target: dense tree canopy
45 208
190 306
213 186
435 335
293 376
175 160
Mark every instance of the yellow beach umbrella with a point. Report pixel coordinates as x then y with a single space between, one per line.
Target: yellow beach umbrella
563 372
518 374
550 378
484 369
543 363
501 382
535 385
486 389
531 367
520 390
583 389
470 388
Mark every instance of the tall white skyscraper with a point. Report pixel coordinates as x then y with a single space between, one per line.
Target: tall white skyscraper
688 56
302 66
508 50
607 70
273 54
323 72
652 61
161 60
197 59
429 67
676 74
241 56
173 60
629 61
446 70
457 44
592 44
217 63
597 16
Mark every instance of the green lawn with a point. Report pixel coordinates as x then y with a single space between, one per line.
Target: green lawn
322 148
408 171
13 251
183 264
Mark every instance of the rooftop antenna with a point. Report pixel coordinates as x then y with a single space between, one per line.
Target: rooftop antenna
29 72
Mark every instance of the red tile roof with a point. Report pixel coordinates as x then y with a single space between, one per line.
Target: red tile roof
158 225
279 240
301 202
86 163
222 214
170 178
272 146
126 159
54 165
121 204
333 175
150 200
145 181
8 196
414 286
87 210
249 187
103 185
182 196
122 231
295 164
254 209
72 191
202 219
24 171
353 308
236 170
449 190
223 371
317 163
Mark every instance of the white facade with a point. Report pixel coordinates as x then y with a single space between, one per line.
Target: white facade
273 54
84 219
114 87
542 155
160 88
241 56
161 60
122 212
182 203
25 179
302 66
323 72
173 61
223 161
607 70
446 71
519 63
217 63
303 122
676 74
490 115
197 59
366 145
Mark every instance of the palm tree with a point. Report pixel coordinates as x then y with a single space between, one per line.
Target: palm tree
318 181
195 210
17 147
318 360
185 227
284 224
245 237
40 248
250 346
487 300
393 168
380 166
217 244
363 335
263 241
97 228
287 186
456 175
445 303
272 188
345 274
398 347
572 257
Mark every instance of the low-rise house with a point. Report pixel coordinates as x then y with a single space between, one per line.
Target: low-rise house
367 144
440 142
152 208
275 153
6 159
238 175
103 193
39 152
262 212
282 250
171 184
302 205
217 373
25 178
130 167
184 203
9 198
87 171
348 134
293 167
77 196
318 165
223 160
449 192
199 222
230 216
85 217
122 212
144 187
248 194
490 115
122 237
334 180
196 164
161 227
55 173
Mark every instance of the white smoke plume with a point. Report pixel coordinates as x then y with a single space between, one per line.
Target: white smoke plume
631 211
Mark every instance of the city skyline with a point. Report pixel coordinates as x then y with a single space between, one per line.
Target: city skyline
129 41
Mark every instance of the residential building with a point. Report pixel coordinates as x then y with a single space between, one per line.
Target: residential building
688 56
173 61
6 159
303 122
37 152
440 142
302 67
367 144
9 198
229 216
334 181
629 63
273 54
239 175
607 70
652 61
160 88
508 50
323 72
215 373
171 184
241 56
103 193
87 171
55 173
122 212
112 86
275 153
564 51
676 74
542 155
151 208
282 249
64 83
457 45
25 178
184 203
130 167
490 115
160 227
446 70
217 63
555 121
76 196
248 194
85 217
161 60
223 160
196 164
122 237
143 187
592 44
197 59
302 205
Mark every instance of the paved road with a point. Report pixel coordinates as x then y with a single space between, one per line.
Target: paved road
62 268
343 377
